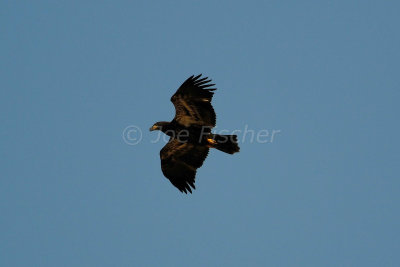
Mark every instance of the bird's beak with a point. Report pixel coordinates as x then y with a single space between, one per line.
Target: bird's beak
154 127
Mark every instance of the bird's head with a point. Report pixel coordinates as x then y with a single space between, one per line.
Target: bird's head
159 125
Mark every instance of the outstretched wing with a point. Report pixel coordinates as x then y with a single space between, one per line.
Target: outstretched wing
179 162
192 102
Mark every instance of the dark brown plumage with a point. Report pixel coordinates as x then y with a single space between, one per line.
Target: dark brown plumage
190 133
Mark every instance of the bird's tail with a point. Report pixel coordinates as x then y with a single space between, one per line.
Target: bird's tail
225 143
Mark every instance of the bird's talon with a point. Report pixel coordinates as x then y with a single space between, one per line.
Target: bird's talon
211 141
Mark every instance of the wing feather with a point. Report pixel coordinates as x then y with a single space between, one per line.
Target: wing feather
192 102
180 161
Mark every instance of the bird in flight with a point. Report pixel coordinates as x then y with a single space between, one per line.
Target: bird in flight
190 133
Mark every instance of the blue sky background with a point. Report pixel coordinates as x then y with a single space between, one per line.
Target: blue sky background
325 192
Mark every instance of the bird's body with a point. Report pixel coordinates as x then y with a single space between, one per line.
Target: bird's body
190 133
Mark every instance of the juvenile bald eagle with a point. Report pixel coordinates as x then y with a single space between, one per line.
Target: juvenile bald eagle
190 133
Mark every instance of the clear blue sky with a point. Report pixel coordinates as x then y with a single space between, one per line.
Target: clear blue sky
325 192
